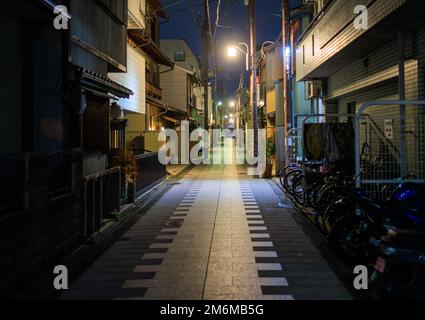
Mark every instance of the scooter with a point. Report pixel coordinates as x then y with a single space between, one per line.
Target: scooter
362 218
399 271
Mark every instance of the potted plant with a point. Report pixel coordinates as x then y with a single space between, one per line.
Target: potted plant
271 156
126 159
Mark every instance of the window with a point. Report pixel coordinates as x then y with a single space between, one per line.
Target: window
179 56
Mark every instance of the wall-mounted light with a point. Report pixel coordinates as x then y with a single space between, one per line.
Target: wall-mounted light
287 54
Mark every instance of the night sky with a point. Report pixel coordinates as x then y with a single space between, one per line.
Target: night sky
183 25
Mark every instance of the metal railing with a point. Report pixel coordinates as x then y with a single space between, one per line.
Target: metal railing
395 136
102 198
293 146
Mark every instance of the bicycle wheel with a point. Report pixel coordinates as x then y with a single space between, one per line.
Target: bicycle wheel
298 190
289 179
335 211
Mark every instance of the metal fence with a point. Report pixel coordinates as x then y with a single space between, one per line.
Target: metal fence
393 132
12 183
102 198
293 146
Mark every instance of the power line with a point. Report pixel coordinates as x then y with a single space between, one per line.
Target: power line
189 7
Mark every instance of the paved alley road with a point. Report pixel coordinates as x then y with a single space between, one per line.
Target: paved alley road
215 235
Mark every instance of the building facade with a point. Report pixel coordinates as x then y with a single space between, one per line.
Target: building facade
378 58
183 87
145 111
55 95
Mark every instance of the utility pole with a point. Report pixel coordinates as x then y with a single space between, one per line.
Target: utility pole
286 86
206 40
253 82
283 96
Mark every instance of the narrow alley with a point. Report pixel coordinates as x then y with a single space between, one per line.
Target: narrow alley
212 150
216 235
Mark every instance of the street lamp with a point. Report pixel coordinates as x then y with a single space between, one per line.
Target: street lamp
232 52
232 104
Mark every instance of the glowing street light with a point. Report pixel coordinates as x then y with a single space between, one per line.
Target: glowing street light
232 104
232 52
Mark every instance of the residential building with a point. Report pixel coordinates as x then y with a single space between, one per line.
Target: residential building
271 62
183 88
144 110
145 113
55 131
381 59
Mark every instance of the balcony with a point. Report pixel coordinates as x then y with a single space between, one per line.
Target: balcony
153 91
332 42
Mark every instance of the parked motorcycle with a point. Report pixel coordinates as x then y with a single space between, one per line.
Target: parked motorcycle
399 271
359 218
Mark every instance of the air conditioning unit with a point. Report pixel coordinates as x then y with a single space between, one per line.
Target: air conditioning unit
314 89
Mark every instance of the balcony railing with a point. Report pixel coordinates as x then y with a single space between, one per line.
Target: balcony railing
153 90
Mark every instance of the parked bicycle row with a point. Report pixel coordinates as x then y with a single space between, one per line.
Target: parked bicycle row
386 235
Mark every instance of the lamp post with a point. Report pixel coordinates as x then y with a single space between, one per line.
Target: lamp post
232 51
